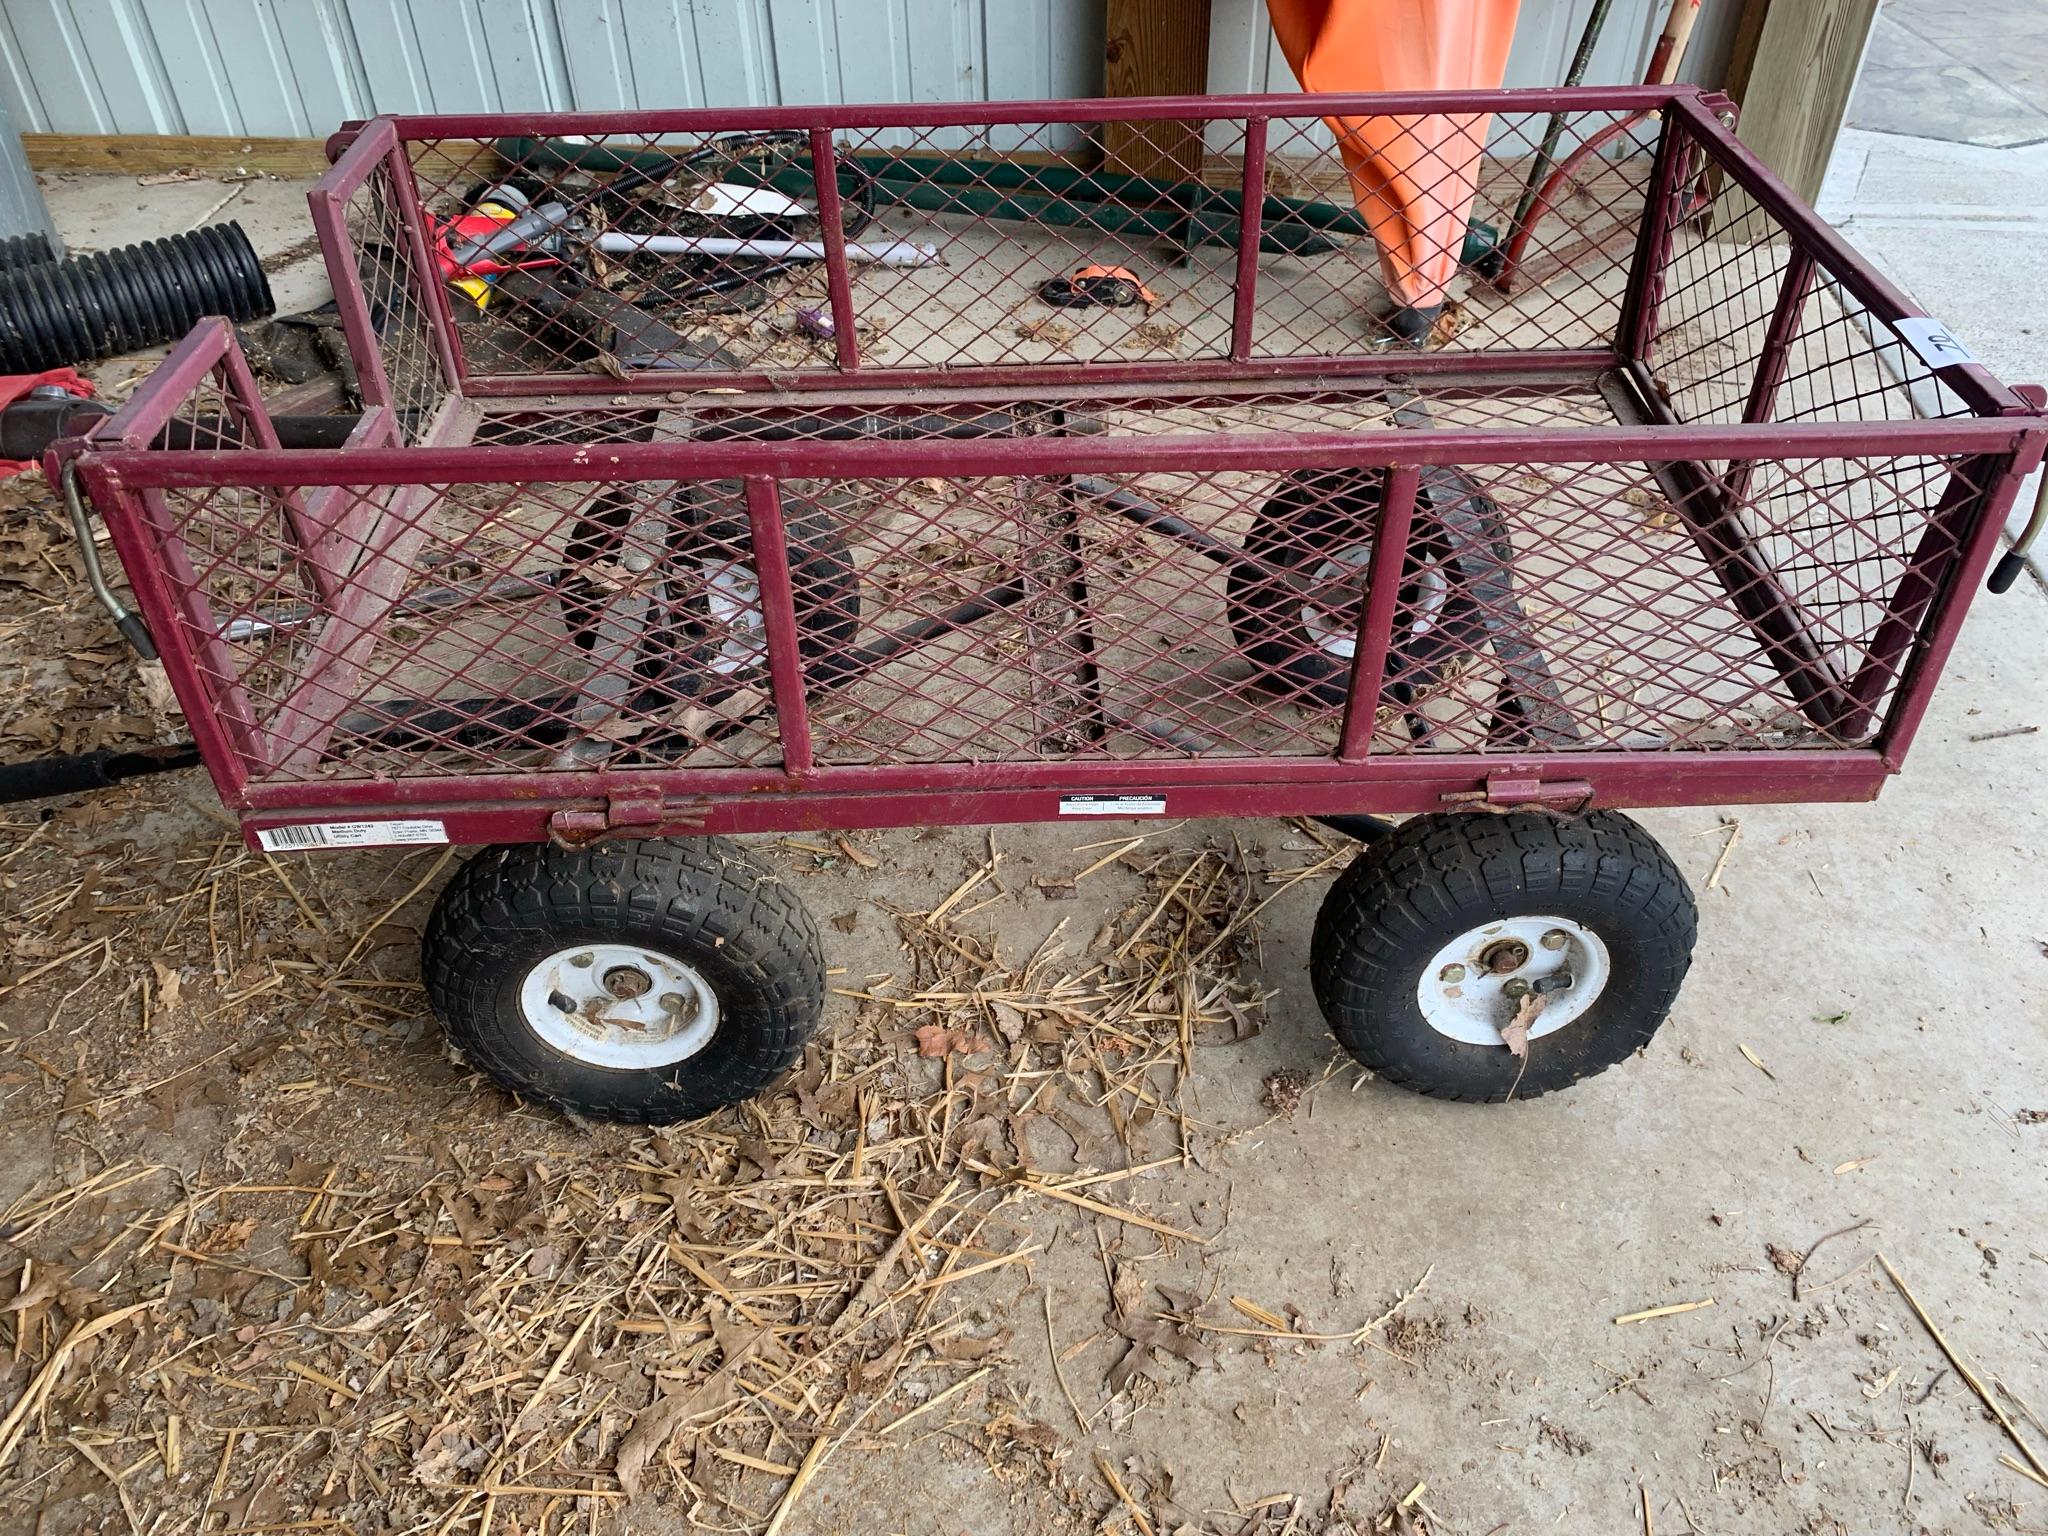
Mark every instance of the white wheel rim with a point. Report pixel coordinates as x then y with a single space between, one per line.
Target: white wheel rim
620 1006
1473 986
1336 634
732 597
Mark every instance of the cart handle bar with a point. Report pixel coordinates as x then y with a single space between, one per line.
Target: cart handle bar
2014 560
126 620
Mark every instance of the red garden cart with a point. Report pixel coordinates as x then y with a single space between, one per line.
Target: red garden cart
728 471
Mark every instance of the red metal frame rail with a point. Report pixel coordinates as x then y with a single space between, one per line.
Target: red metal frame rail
1844 539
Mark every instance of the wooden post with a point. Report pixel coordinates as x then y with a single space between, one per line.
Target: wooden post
1793 68
1156 48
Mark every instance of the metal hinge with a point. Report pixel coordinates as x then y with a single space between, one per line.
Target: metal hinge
624 815
1518 792
1722 106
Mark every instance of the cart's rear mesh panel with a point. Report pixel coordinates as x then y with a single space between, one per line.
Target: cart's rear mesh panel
1724 278
951 237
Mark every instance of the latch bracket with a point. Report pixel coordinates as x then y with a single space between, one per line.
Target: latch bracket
626 814
1524 791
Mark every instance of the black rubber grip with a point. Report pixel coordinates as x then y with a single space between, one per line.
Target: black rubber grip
2007 571
137 634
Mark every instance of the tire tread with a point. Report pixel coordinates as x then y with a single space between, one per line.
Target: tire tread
706 893
1444 868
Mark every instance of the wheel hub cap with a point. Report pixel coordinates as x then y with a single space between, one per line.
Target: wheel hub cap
1472 988
732 596
619 1006
1331 619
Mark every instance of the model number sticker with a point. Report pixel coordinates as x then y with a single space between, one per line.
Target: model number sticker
1112 805
350 834
1936 344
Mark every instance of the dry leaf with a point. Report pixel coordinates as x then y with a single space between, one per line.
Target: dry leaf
1009 1021
962 1346
1854 1163
226 1237
651 1431
1284 1091
50 1279
1056 333
857 854
1658 513
170 985
1756 1061
1515 1034
1030 1433
1162 335
935 1040
1450 321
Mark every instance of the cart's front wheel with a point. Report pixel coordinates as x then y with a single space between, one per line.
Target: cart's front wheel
1485 957
638 981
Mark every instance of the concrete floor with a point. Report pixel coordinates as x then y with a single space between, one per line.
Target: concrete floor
1862 1038
1959 222
1966 71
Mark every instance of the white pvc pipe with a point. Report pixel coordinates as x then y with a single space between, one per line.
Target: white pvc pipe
892 253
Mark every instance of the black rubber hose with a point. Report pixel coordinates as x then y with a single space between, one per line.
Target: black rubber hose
42 777
125 300
30 250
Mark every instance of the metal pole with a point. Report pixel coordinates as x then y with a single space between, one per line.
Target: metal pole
1581 61
22 209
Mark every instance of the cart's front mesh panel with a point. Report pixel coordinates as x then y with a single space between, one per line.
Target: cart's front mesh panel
229 551
645 253
1166 616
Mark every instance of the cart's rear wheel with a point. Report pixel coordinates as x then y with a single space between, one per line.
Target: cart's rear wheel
708 633
637 981
1429 946
1299 624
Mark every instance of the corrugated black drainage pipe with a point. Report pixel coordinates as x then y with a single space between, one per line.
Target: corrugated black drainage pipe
30 250
122 301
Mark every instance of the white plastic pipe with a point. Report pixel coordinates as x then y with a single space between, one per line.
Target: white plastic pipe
892 253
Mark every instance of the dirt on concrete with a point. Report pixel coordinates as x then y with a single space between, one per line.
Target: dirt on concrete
1072 1220
274 1260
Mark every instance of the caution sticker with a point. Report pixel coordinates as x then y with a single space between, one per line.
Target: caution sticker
1112 805
350 834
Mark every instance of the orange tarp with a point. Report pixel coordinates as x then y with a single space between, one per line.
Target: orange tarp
1413 178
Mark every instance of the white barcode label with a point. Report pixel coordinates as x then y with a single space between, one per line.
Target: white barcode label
1936 344
350 834
1112 805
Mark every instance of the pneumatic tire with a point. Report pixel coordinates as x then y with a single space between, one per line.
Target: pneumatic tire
1428 946
638 981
